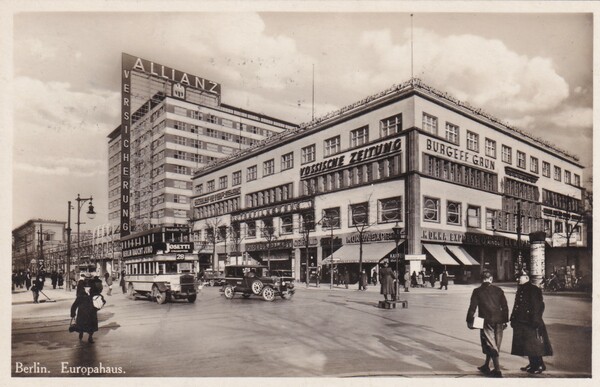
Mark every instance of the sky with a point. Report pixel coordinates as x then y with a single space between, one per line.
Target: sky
533 70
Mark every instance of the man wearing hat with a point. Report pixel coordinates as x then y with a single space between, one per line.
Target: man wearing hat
530 337
490 302
387 281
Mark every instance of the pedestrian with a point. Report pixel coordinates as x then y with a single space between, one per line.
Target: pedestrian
413 279
530 337
318 275
491 305
363 279
444 280
432 278
61 280
20 279
346 278
37 287
54 279
406 280
387 281
87 314
27 280
109 282
122 282
14 281
420 279
374 275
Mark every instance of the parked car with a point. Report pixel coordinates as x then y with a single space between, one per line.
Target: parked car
213 278
256 280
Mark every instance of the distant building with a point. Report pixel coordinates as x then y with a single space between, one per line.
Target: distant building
32 241
465 189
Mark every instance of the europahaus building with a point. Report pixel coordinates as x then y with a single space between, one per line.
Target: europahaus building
465 189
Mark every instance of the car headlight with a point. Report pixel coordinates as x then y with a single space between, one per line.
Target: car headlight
291 285
283 283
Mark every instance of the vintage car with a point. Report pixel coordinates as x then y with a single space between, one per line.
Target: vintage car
213 278
255 279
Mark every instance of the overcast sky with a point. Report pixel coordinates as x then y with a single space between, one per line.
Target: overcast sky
533 70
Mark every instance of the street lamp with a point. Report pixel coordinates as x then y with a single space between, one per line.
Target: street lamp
397 234
91 215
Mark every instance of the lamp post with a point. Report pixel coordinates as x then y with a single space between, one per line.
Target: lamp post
397 233
91 215
329 223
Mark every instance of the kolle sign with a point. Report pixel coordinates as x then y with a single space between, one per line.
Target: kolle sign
370 237
275 245
272 211
353 157
216 197
469 238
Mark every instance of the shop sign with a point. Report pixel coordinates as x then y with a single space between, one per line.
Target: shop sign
469 238
459 154
275 245
138 251
350 158
370 237
272 211
176 229
218 196
302 242
179 247
560 214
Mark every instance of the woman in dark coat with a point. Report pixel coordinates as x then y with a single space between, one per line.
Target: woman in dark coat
530 337
387 281
87 315
28 280
413 279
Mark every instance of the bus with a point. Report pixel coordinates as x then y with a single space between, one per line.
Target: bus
160 265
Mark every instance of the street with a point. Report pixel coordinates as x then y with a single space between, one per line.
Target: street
320 332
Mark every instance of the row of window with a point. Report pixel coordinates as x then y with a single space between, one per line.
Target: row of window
459 173
270 196
563 202
452 134
217 209
521 190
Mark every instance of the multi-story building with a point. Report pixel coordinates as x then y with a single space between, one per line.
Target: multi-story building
177 126
465 189
33 240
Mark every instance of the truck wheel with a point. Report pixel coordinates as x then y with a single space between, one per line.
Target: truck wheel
160 297
229 292
256 286
192 299
130 292
268 294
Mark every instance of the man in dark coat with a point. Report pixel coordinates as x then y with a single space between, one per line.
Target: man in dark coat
444 280
530 337
387 278
28 280
54 279
490 302
432 278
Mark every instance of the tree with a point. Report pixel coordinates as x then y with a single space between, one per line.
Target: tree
307 225
236 237
268 232
360 221
212 227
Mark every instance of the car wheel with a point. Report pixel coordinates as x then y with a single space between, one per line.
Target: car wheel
246 295
159 296
268 294
287 295
229 292
192 299
130 292
256 287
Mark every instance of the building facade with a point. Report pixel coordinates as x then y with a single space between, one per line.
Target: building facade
464 189
175 123
33 244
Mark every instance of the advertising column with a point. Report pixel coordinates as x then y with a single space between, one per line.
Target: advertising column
537 265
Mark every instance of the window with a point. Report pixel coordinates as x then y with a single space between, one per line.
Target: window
548 227
236 178
472 141
431 209
533 165
308 154
545 169
490 219
359 136
251 229
557 173
287 224
222 182
180 213
181 169
331 218
451 133
521 163
390 210
307 221
577 179
474 216
198 189
558 226
567 177
390 125
453 213
430 123
210 186
490 148
269 167
359 214
251 173
180 199
332 146
507 154
287 161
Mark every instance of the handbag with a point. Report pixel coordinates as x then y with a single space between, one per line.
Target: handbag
98 301
73 326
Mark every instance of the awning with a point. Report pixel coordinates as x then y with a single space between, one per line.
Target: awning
372 252
440 254
462 255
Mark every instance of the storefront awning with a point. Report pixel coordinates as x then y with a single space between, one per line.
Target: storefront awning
462 255
440 254
372 252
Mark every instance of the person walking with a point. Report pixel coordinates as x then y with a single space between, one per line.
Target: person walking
491 305
406 280
420 279
27 280
387 281
61 279
122 282
346 278
363 279
87 315
54 279
530 337
37 287
413 279
444 280
109 281
432 278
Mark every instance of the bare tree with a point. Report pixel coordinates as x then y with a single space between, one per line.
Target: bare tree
212 227
268 232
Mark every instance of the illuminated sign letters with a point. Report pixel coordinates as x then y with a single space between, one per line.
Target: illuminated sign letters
460 155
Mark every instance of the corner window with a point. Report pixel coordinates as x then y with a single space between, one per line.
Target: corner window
430 124
474 217
453 213
431 209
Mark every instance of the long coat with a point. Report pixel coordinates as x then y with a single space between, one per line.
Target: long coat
530 337
87 315
491 305
387 280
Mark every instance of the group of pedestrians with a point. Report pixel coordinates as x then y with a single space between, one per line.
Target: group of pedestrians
21 279
530 337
